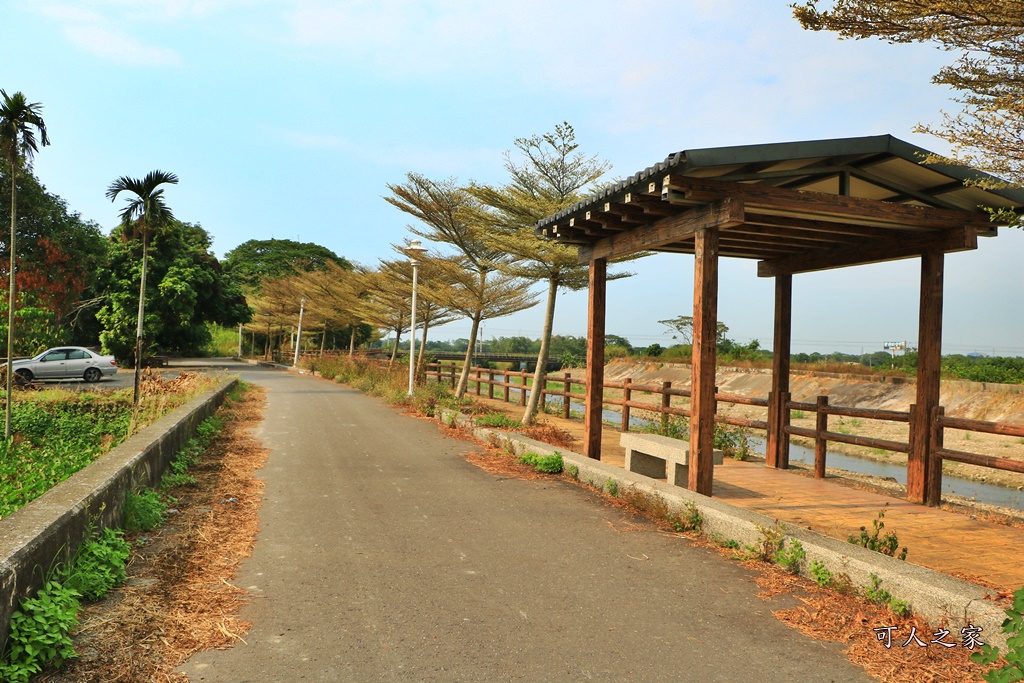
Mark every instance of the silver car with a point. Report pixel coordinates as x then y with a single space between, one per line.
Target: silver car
66 362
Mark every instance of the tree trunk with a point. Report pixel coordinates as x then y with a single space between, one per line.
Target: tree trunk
423 345
142 312
464 377
10 306
351 341
540 374
323 339
394 349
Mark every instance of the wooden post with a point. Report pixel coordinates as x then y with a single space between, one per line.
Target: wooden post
478 375
490 384
929 363
702 382
777 451
543 401
507 382
820 445
595 358
566 395
935 462
451 370
666 402
522 392
627 396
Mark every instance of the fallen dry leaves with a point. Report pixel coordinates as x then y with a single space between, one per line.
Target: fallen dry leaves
179 598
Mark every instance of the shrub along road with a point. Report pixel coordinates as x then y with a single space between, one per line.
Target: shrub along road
384 555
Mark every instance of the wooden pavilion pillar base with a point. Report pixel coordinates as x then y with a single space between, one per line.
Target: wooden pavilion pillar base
923 484
705 340
592 422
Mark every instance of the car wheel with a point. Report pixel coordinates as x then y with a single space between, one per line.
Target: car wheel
23 376
92 375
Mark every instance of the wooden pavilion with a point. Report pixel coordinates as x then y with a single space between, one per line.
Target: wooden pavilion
795 207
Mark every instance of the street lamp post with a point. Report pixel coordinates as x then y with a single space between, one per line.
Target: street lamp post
298 333
415 250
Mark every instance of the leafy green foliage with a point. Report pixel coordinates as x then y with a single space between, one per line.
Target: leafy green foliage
253 261
878 595
790 556
547 464
573 471
185 289
38 633
99 565
820 573
58 438
887 544
498 420
144 510
612 487
1013 626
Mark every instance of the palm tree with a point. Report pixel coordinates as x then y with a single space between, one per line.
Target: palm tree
20 121
140 218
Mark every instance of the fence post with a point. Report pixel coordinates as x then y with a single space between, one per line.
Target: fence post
820 444
543 394
507 382
933 493
627 396
490 384
478 374
784 419
566 395
452 371
522 392
666 401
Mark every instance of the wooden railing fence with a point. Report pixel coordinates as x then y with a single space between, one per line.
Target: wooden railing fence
821 434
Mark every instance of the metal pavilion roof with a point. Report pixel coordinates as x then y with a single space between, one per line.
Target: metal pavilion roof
884 193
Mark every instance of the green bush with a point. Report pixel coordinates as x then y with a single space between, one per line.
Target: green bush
99 565
144 510
38 635
790 557
820 573
547 464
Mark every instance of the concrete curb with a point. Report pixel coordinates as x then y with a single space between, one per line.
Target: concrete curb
48 531
937 597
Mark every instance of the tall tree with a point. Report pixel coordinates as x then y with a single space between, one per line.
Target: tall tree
141 217
449 214
20 123
185 290
550 175
252 261
988 35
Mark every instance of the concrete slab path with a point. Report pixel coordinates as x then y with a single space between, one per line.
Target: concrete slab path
383 555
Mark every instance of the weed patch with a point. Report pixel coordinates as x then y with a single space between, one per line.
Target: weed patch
886 544
39 633
144 510
99 565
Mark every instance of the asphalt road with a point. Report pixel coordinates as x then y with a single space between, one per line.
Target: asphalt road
384 556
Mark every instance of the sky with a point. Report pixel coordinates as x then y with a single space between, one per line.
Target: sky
288 118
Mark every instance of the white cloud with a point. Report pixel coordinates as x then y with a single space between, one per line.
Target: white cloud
122 49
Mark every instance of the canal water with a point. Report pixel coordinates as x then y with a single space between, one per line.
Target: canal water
976 490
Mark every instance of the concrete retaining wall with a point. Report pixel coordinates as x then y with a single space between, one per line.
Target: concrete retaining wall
48 531
933 595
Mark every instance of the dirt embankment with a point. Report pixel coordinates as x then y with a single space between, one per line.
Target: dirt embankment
973 400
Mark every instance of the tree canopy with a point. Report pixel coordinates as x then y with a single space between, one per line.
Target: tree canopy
988 35
185 289
255 260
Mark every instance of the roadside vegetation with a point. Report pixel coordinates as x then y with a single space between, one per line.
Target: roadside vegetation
57 432
179 605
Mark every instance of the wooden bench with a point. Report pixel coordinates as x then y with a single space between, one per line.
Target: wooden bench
660 457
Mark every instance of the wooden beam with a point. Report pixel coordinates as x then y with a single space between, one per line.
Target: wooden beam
924 482
962 239
821 206
702 375
592 421
724 214
777 453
